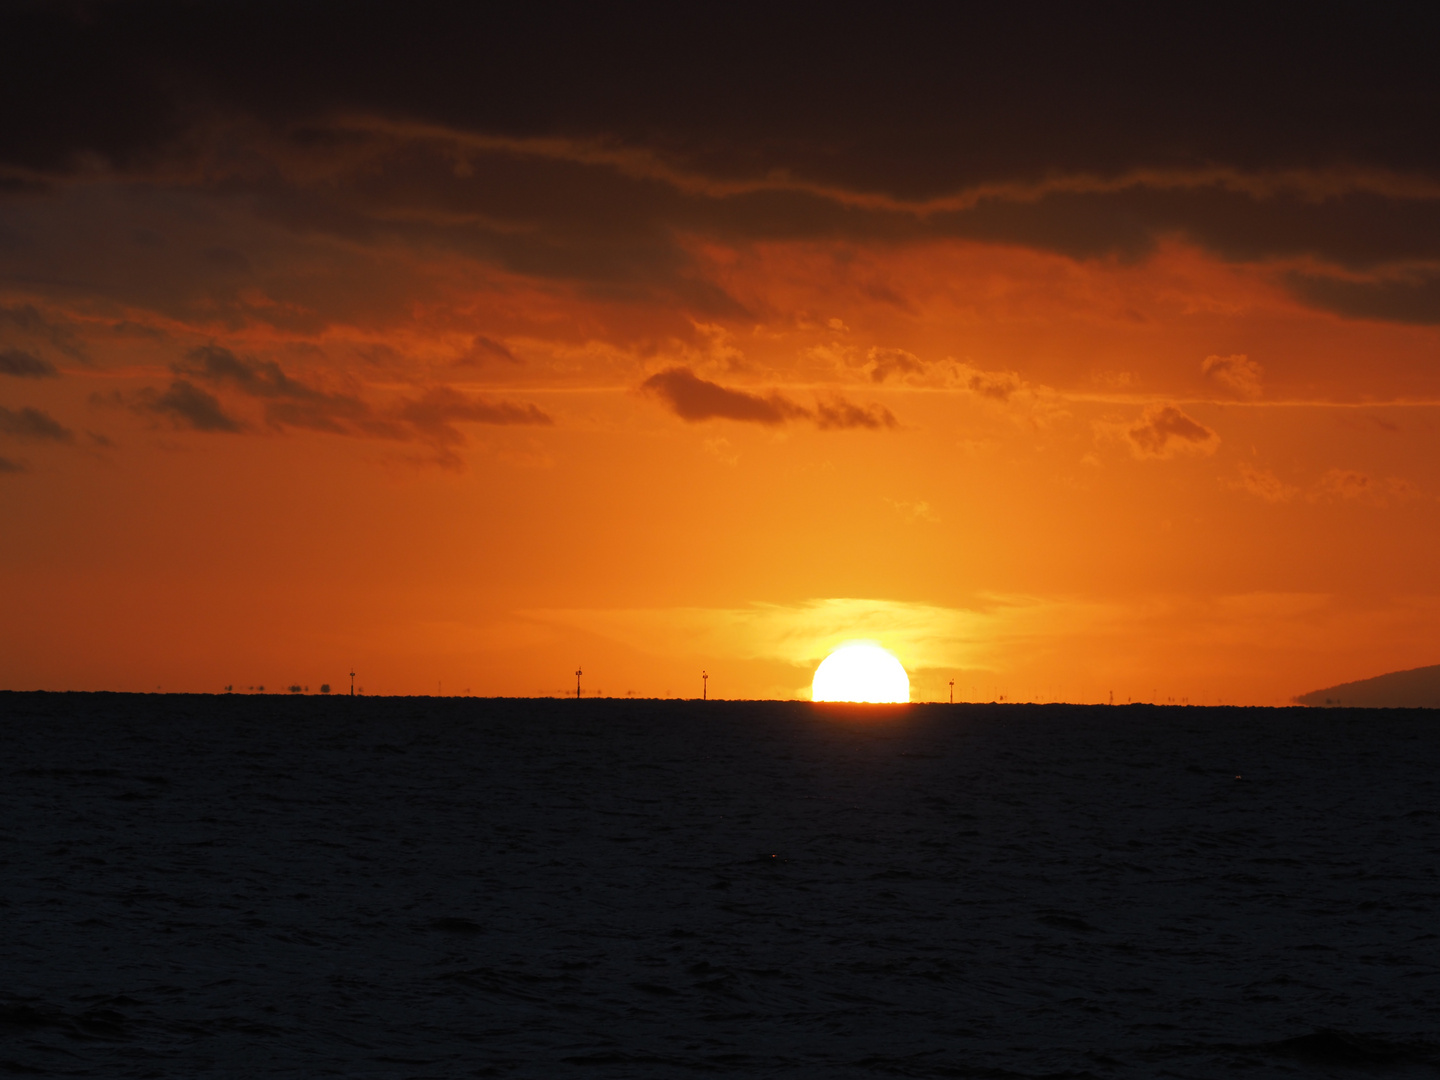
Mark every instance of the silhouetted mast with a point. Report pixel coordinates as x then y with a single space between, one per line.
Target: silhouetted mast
704 686
352 683
952 691
578 673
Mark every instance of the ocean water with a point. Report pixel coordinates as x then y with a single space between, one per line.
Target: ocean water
306 887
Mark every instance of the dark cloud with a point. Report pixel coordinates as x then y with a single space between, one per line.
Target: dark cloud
483 349
28 423
591 145
185 405
1410 298
694 399
1164 430
22 364
27 320
556 210
8 466
1240 218
591 221
226 258
916 103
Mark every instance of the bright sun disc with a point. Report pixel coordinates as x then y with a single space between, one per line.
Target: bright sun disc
860 671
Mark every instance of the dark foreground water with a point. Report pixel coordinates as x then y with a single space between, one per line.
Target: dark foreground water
305 887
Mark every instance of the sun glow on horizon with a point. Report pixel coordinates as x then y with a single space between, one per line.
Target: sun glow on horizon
861 671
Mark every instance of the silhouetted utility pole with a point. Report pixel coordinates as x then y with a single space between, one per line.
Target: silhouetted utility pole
704 686
578 673
352 683
952 691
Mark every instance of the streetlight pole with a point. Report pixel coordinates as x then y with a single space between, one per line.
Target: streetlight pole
704 686
578 673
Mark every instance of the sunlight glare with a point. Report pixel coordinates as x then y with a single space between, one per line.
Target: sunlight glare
861 671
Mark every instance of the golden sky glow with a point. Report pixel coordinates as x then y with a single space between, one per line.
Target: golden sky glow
462 403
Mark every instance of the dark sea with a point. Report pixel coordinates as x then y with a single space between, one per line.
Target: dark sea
270 886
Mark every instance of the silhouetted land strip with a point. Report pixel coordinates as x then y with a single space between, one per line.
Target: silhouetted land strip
394 887
1416 688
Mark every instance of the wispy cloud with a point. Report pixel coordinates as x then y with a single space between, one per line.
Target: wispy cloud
29 423
998 386
694 399
185 405
1164 431
485 350
1346 484
24 365
915 510
1264 484
290 402
1350 485
1238 374
435 413
884 364
35 327
834 413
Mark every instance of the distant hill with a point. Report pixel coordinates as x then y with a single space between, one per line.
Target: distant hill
1418 688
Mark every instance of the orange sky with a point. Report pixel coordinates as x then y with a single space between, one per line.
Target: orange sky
466 409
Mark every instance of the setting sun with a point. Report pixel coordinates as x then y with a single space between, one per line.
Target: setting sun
861 671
